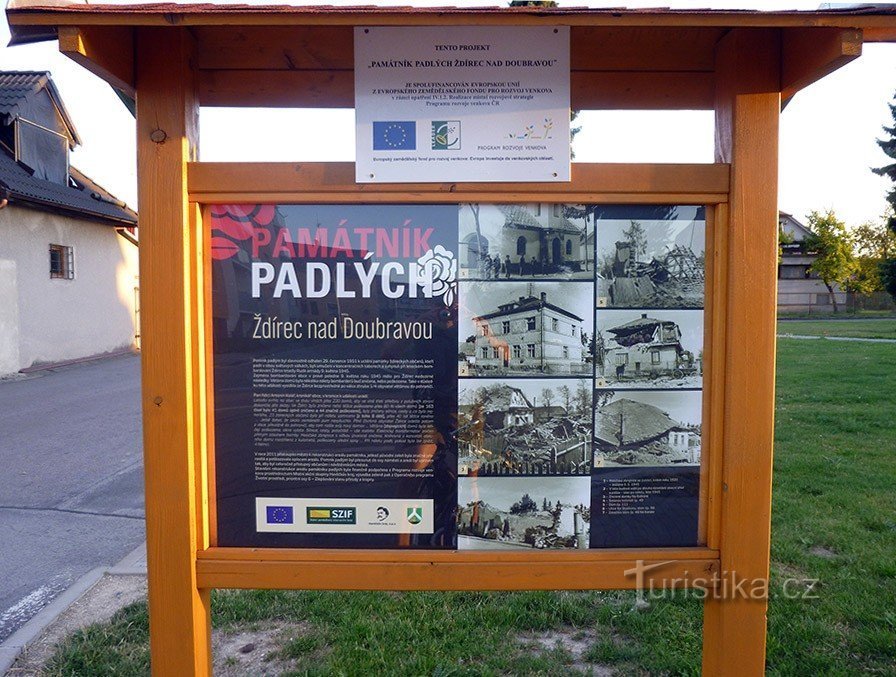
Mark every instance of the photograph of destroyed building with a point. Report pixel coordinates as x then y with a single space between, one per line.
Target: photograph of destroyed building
647 428
519 328
651 262
524 426
517 512
539 240
655 349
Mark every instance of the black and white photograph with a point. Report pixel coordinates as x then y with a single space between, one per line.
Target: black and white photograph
525 328
647 428
526 241
651 257
649 348
524 427
517 512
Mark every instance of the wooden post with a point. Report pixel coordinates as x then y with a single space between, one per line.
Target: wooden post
166 137
747 106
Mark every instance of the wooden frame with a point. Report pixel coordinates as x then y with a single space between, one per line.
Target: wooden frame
310 183
735 63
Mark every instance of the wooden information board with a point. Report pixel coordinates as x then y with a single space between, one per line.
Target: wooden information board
716 221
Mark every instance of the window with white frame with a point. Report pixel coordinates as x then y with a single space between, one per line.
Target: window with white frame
62 262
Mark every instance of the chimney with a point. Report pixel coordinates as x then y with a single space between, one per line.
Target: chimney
544 297
643 316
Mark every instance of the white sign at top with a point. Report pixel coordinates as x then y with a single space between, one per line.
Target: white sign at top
461 103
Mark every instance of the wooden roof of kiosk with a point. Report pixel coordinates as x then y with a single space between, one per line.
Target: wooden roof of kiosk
301 56
741 64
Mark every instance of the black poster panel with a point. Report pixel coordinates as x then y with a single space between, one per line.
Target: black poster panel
335 352
644 507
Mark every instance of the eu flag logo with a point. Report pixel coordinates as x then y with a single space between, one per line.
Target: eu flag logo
279 514
395 135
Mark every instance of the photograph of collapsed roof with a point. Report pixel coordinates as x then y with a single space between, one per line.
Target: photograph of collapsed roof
526 241
519 512
525 328
652 349
524 427
651 257
647 428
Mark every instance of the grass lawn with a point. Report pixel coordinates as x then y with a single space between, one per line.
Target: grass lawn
834 519
848 328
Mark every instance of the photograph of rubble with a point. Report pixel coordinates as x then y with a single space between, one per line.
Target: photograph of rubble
518 512
647 428
524 427
651 257
649 349
525 328
526 241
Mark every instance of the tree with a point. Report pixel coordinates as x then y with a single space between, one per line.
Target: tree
784 239
565 396
583 399
888 146
874 244
835 262
547 396
886 269
636 235
524 505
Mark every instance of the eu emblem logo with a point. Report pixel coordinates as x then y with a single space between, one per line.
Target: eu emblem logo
395 135
279 514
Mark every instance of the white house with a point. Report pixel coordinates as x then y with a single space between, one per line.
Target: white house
799 288
529 333
68 253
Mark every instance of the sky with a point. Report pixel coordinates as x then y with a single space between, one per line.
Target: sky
827 134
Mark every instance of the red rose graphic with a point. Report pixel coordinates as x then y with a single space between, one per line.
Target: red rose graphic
236 222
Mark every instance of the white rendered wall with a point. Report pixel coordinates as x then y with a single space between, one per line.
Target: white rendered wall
62 319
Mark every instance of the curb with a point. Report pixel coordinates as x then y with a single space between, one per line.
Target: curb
134 563
48 366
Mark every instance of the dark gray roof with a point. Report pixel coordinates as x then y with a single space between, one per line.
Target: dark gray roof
17 86
516 215
87 200
525 304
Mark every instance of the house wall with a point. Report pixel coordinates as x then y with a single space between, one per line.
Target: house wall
44 319
548 342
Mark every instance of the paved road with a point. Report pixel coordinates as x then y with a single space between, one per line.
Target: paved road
71 480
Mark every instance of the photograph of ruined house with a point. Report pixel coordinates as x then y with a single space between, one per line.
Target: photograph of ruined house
518 512
520 328
647 428
524 426
649 262
540 240
649 349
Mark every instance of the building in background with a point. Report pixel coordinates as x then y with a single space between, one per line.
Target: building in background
68 249
799 289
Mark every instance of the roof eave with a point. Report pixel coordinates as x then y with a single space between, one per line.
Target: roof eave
48 205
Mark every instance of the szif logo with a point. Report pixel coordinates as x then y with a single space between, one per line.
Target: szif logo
446 135
415 515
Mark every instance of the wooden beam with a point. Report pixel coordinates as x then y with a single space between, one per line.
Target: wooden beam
171 15
479 557
747 107
221 182
167 113
336 89
592 48
809 54
371 570
106 51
